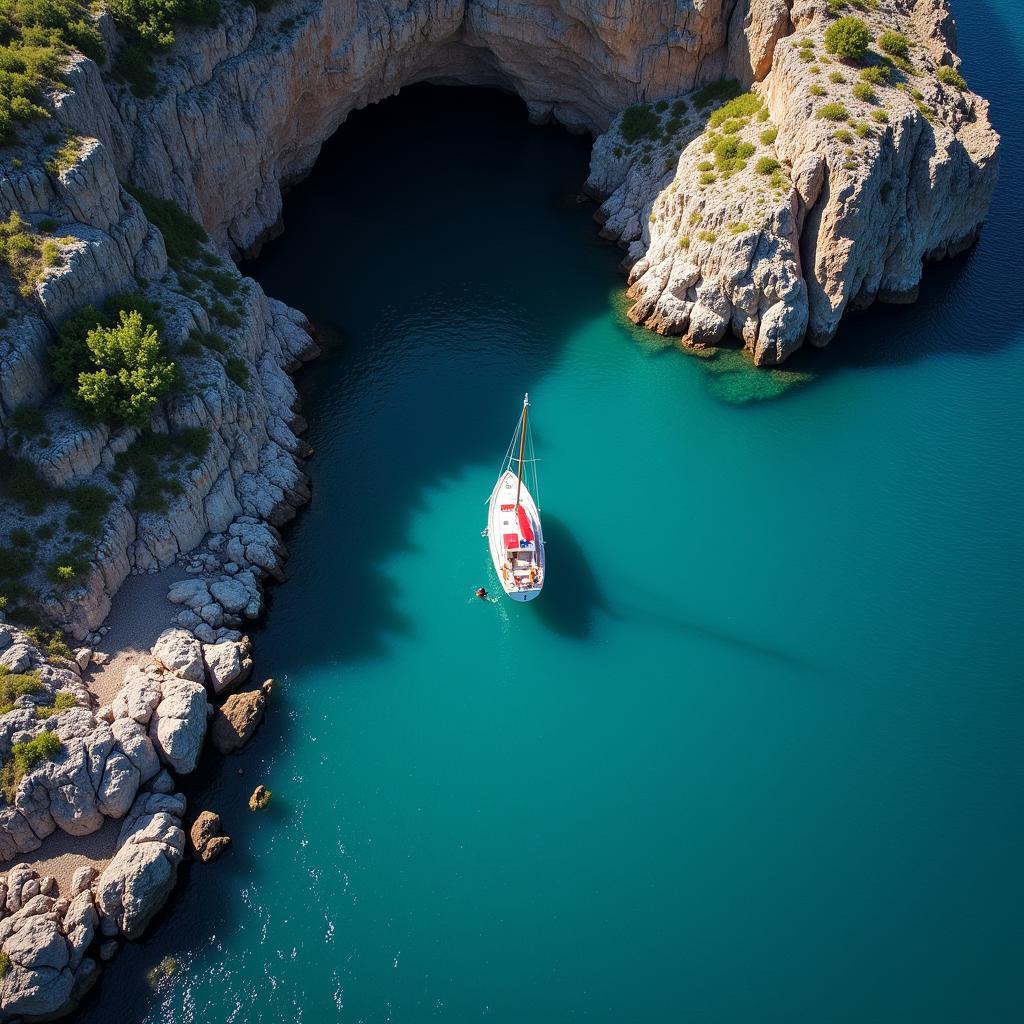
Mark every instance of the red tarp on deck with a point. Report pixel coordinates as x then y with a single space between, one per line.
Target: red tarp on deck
524 524
511 541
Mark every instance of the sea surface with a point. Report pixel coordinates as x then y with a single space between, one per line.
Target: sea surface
754 755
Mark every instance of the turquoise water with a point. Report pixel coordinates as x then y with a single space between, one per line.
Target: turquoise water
755 753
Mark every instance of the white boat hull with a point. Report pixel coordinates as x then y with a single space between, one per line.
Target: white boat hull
519 565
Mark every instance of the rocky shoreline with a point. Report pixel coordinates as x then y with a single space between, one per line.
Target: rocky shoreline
760 185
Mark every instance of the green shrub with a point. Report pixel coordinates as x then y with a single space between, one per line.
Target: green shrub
224 282
24 757
150 458
133 68
679 108
863 130
876 74
229 318
769 135
237 370
738 108
717 92
817 90
66 156
844 136
89 504
53 643
881 116
684 242
152 21
731 155
833 112
767 165
62 701
837 77
707 236
35 38
52 255
661 106
14 685
183 237
848 38
27 420
65 570
20 482
638 121
896 44
210 340
950 76
864 92
21 250
21 538
128 374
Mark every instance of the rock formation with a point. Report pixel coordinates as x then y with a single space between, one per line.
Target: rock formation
206 837
237 719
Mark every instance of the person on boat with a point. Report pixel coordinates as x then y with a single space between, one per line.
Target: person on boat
533 575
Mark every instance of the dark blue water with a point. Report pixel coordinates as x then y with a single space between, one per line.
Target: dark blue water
755 753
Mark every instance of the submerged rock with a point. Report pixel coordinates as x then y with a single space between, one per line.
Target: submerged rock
260 798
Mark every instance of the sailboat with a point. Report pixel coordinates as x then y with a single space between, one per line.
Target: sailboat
513 521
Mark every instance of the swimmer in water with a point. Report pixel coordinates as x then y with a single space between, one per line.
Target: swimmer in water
481 592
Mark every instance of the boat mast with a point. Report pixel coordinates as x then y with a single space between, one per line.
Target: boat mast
522 442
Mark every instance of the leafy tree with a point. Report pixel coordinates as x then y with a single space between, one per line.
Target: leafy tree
129 373
848 38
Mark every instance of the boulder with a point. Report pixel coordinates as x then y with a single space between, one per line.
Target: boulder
238 718
260 798
141 874
207 836
227 664
134 741
231 594
192 593
180 653
178 724
17 658
118 786
82 879
138 696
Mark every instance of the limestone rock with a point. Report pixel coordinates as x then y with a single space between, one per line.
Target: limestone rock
207 836
178 724
138 697
141 874
82 879
227 664
179 652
